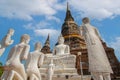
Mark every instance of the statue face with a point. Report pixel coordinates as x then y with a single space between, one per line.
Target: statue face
27 41
11 31
61 40
25 38
38 46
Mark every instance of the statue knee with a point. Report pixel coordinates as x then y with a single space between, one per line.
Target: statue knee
107 76
97 76
33 77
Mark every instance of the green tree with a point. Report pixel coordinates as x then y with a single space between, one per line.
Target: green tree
1 69
0 64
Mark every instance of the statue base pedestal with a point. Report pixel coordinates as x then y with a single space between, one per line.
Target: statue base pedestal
65 71
64 68
63 64
63 77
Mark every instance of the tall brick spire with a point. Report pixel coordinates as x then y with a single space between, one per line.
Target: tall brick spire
47 43
46 47
68 14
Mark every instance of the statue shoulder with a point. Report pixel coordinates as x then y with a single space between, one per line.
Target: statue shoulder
67 45
42 54
27 45
93 27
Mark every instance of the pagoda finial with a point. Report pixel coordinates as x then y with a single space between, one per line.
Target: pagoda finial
68 8
47 43
46 47
68 14
48 37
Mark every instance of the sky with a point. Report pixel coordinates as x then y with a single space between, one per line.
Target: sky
38 18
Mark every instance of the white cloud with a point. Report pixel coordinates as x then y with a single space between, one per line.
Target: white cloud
97 9
44 32
25 9
116 46
35 26
41 30
53 18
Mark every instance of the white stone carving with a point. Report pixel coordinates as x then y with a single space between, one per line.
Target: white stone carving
98 61
50 70
16 70
6 41
35 59
101 75
63 65
60 62
61 48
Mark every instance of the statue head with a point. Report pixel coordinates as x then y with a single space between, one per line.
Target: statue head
25 38
85 20
38 46
11 31
61 39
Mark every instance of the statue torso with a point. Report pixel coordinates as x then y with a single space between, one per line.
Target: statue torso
16 55
34 57
60 49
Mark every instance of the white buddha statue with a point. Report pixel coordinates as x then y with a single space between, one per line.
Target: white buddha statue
61 48
35 59
19 52
99 65
6 41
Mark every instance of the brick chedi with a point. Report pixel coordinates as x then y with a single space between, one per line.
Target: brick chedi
46 47
112 59
70 31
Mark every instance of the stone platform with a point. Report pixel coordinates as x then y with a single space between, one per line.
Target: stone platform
60 61
63 64
64 68
77 77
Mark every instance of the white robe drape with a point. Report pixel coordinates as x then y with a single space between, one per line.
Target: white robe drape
98 61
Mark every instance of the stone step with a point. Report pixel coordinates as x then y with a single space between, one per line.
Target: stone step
77 77
60 71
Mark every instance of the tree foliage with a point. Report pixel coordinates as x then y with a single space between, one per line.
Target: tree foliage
1 69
